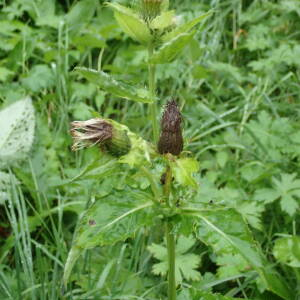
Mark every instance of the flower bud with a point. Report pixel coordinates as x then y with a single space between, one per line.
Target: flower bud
171 140
102 132
151 8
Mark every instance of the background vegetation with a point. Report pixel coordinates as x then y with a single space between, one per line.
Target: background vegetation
238 86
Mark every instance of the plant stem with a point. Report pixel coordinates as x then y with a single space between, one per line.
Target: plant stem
171 261
152 87
170 240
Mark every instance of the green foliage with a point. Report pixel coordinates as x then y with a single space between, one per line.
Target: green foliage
183 169
186 263
114 218
287 251
170 50
115 87
287 189
131 24
238 87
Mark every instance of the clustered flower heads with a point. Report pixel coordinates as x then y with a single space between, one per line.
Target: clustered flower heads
100 132
171 140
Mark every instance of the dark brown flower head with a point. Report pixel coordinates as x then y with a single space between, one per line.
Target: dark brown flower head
102 132
171 140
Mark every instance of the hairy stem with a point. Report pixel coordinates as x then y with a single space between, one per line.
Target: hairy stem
152 87
170 240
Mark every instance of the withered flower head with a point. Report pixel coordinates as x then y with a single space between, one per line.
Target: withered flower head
102 132
171 140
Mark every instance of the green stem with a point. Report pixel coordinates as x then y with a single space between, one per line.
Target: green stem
152 87
170 240
171 261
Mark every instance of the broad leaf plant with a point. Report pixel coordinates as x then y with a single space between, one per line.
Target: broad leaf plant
167 198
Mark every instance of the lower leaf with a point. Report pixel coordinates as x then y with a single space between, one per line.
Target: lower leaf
113 218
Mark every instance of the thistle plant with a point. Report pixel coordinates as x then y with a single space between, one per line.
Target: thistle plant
171 193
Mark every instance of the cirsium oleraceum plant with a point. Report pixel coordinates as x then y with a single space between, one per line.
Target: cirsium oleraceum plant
171 189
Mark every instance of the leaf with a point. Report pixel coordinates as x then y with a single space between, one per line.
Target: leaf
226 232
16 131
114 218
184 28
186 263
117 88
40 77
131 24
80 14
183 168
6 180
287 251
163 21
171 49
287 189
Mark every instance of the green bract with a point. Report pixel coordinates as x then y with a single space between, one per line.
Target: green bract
131 23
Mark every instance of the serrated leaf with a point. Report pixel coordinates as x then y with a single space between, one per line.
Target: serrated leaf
16 131
183 169
115 87
131 24
114 218
287 251
266 195
186 263
225 230
287 189
171 49
184 28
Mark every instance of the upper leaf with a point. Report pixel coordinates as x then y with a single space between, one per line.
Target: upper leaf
16 131
171 49
131 24
184 28
183 169
117 88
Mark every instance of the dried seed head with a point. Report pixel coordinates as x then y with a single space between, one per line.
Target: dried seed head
171 140
101 132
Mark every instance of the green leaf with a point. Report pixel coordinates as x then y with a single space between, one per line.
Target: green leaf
40 77
163 21
184 28
183 169
287 251
186 263
287 189
80 14
131 24
114 218
17 124
226 232
171 49
117 88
